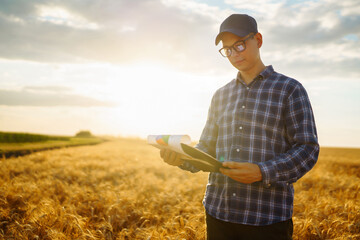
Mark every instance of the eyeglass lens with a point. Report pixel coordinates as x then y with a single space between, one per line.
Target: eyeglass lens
239 47
227 51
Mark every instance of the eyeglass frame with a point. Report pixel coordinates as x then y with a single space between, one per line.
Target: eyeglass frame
232 46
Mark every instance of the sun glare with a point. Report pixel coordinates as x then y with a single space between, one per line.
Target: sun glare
145 97
147 94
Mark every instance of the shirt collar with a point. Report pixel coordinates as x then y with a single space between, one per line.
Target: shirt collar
263 75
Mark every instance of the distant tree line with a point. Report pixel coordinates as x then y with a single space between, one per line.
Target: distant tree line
84 133
6 137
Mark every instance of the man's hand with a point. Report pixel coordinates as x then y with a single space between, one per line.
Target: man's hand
242 172
171 157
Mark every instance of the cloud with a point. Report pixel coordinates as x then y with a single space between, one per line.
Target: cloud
60 16
126 31
310 39
307 34
47 97
53 89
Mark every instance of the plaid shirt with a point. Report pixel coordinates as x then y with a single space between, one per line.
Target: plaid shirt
269 123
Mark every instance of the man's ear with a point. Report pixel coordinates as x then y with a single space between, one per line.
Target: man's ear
259 39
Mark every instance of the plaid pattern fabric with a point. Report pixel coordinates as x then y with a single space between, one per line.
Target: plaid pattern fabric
270 123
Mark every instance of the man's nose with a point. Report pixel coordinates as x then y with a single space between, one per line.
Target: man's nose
235 53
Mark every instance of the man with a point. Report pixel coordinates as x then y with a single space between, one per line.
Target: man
261 126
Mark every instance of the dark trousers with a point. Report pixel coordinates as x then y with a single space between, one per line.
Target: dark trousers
220 230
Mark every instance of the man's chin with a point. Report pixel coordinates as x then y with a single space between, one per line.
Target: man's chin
241 67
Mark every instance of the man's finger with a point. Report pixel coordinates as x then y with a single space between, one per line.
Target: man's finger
162 153
232 164
172 157
230 172
233 174
167 156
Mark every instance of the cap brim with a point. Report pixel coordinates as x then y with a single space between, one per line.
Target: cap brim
237 32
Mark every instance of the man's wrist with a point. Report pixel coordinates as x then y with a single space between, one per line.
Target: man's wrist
268 173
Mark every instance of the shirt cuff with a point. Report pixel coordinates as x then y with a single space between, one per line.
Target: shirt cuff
268 171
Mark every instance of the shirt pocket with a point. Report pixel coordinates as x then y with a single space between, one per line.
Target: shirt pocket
268 121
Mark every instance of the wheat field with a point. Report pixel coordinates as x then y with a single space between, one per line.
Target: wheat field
122 190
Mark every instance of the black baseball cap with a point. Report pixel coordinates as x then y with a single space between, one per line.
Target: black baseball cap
238 24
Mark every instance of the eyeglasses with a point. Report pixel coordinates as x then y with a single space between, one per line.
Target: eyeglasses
239 46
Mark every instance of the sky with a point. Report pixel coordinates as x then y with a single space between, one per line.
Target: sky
134 68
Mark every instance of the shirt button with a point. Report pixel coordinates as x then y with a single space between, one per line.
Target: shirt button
268 185
234 194
247 88
287 183
238 150
240 128
243 106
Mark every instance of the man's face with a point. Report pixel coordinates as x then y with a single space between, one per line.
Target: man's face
247 59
